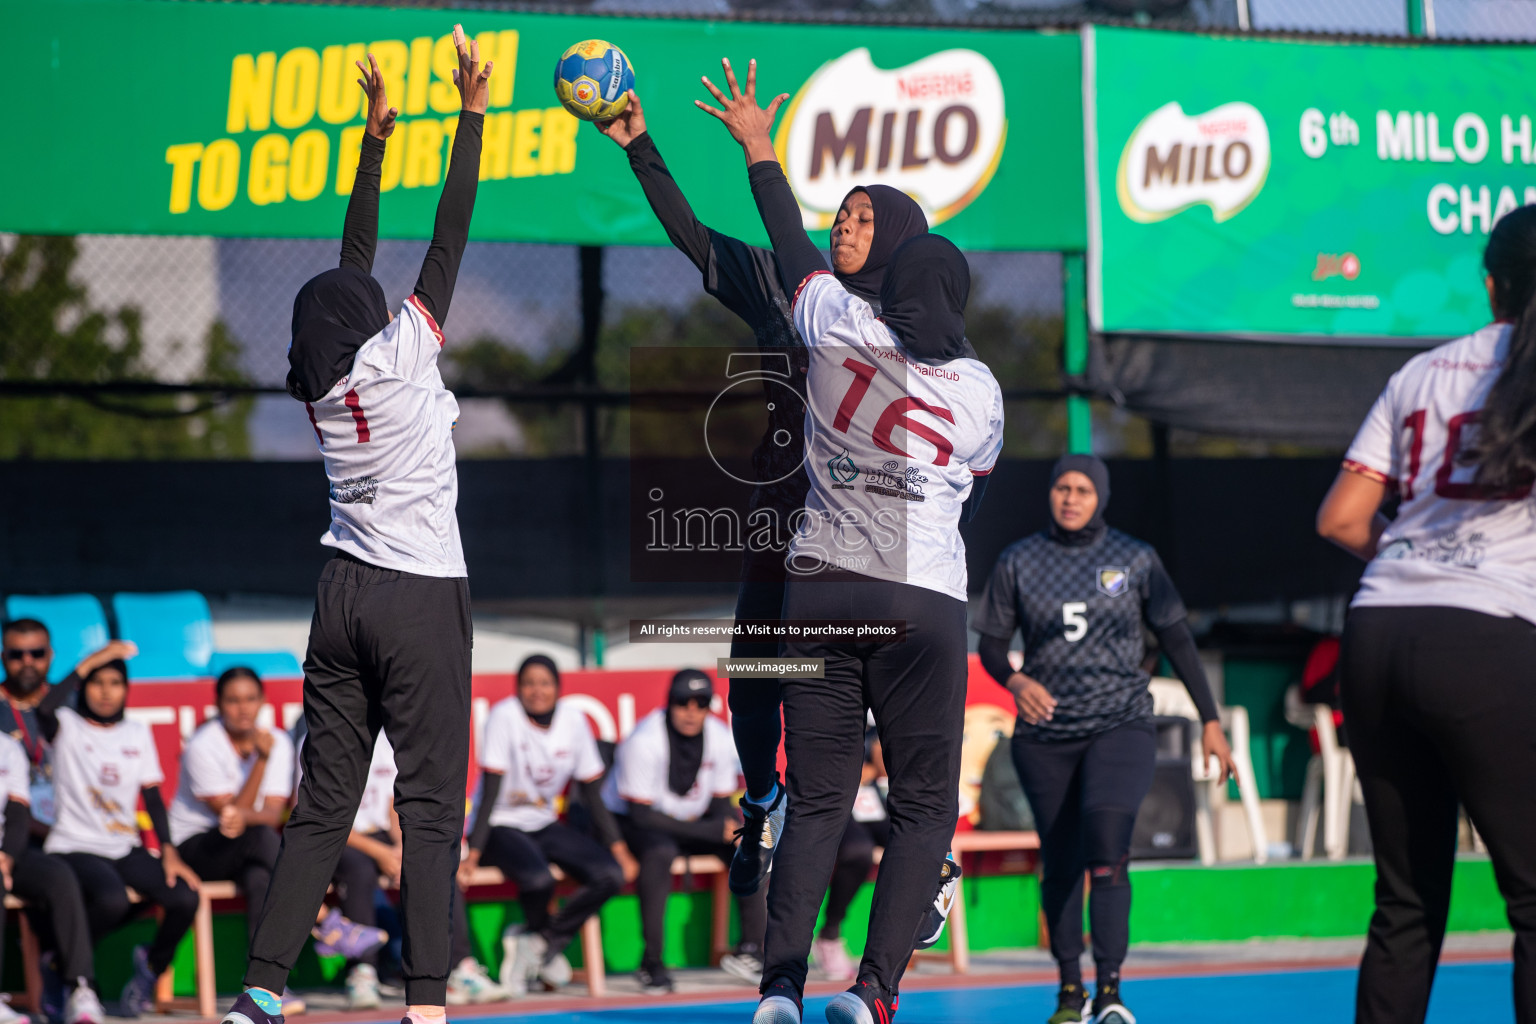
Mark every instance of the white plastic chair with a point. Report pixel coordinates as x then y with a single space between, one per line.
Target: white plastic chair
1329 789
1171 699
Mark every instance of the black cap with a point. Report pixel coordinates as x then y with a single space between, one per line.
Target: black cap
690 684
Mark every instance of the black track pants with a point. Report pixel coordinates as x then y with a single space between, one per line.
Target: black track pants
388 650
1441 709
754 703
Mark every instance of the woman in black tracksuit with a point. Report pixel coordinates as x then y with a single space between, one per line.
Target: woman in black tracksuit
1085 748
871 224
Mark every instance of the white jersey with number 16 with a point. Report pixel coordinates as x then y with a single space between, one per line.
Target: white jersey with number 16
1454 542
892 446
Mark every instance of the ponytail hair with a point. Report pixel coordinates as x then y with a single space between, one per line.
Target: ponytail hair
1506 440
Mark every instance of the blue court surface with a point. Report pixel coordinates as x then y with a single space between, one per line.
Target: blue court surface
1463 992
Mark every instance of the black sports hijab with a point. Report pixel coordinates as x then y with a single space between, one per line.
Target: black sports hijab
923 299
1094 469
83 706
685 754
897 219
545 718
333 314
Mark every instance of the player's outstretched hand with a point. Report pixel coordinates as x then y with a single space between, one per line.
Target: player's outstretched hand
469 76
381 116
1214 743
626 126
743 118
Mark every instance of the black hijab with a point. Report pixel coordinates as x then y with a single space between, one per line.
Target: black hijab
923 299
685 754
1094 469
897 218
83 706
544 660
333 314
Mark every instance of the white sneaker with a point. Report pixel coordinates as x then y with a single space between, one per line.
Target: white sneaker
522 958
82 1006
833 959
10 1016
776 1010
555 972
745 966
469 985
932 926
363 988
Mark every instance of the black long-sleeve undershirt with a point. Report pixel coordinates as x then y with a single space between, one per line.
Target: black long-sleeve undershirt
667 201
18 828
360 231
707 828
154 806
450 231
1178 645
58 695
603 821
798 256
972 503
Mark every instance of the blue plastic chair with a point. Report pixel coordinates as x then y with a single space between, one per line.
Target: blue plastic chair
77 626
174 631
266 664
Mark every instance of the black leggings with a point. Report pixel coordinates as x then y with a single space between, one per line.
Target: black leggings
855 859
916 688
754 703
524 857
103 883
245 860
655 850
1441 709
1085 794
56 909
388 651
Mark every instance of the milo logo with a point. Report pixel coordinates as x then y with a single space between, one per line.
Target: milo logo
933 129
1175 160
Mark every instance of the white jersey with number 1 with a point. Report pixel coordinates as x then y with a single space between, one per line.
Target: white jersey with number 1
1454 542
386 430
892 446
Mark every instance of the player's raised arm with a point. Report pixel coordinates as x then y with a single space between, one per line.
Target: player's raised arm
749 125
667 200
360 235
450 232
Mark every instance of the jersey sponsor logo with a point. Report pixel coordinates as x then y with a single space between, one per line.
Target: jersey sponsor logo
892 481
1174 160
1112 579
1448 548
843 471
934 129
357 490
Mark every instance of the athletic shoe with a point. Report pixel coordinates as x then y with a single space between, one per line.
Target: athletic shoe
1107 1008
779 1005
245 1011
363 988
743 964
833 959
469 985
340 936
82 1006
943 903
10 1016
1069 1005
654 979
759 834
138 996
555 971
862 1004
293 1003
522 956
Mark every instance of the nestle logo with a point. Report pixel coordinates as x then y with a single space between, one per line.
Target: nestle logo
1330 264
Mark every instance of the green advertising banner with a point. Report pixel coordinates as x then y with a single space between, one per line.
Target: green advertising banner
244 119
1276 188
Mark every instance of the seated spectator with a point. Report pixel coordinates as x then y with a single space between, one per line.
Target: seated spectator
671 788
868 827
535 746
15 823
373 850
55 904
103 765
236 778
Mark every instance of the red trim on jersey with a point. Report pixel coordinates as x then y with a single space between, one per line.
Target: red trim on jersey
320 440
437 332
801 287
356 405
981 472
1367 472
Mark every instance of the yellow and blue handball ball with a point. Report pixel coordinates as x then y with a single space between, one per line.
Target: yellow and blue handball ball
593 80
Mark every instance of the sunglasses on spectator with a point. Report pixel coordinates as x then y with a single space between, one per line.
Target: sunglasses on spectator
702 703
18 653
